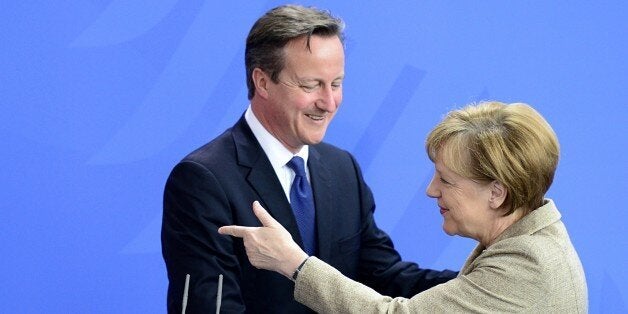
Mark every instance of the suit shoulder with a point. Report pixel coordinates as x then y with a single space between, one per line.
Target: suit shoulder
217 152
547 251
550 264
528 245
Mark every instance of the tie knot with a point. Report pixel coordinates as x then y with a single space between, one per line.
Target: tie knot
296 164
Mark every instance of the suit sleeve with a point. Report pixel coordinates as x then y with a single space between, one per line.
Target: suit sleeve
380 265
493 287
194 207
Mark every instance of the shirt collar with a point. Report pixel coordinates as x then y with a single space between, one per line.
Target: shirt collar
278 154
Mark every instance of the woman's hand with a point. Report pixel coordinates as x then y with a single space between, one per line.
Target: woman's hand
269 247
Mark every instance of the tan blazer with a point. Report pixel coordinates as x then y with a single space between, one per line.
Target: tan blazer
532 268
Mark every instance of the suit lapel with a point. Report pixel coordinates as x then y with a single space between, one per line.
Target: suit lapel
320 177
262 178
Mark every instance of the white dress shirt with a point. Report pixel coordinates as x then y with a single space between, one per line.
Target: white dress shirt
278 154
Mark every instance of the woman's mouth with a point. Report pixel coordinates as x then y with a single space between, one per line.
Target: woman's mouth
443 210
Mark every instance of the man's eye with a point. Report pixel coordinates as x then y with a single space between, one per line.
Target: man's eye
309 88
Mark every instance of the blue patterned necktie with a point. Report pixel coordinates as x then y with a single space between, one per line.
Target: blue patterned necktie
302 203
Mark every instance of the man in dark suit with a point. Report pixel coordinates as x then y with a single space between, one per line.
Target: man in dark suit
295 66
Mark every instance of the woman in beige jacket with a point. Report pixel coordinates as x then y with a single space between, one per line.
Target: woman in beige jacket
493 165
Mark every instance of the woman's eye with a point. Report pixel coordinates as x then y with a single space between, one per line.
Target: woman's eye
444 181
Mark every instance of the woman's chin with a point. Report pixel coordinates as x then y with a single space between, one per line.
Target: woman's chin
448 231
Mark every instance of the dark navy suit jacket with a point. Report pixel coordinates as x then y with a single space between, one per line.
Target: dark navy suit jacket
216 186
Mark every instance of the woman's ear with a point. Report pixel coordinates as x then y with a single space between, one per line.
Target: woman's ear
261 80
498 194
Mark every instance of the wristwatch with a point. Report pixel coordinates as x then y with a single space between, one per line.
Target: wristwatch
296 272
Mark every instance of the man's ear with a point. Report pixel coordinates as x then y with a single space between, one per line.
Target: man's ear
498 194
261 81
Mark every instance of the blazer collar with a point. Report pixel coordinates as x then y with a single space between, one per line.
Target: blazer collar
262 178
320 178
534 221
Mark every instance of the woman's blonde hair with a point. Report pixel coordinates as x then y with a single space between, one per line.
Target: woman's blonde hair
489 141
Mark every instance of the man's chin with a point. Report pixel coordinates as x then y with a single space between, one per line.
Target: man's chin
313 140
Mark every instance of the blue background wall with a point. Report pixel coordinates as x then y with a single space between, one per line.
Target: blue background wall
101 98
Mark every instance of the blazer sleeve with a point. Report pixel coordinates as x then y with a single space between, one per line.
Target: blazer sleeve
194 207
506 281
380 265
